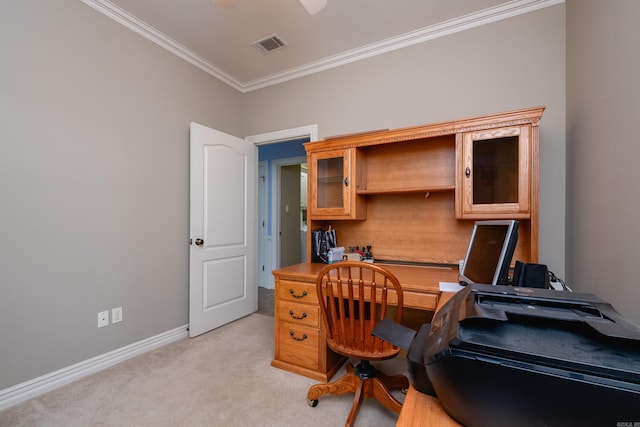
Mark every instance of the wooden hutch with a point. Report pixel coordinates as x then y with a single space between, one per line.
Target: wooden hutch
413 195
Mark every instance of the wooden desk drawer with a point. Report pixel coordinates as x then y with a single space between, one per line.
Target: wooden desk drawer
420 300
297 291
303 314
298 345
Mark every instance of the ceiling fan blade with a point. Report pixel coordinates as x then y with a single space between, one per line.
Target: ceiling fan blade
227 4
313 6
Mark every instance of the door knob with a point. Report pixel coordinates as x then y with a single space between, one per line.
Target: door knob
199 242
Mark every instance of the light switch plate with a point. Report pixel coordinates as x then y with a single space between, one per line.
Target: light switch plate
116 315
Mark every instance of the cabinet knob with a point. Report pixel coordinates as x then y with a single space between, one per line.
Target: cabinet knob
199 242
467 172
346 182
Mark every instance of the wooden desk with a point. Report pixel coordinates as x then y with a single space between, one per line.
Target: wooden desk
420 409
300 340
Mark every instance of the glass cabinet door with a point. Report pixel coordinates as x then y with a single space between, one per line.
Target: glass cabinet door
495 173
329 183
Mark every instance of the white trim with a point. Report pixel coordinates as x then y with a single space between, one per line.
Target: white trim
483 17
147 31
477 19
310 131
265 278
37 386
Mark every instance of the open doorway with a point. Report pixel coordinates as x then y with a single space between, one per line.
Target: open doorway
293 218
278 246
283 232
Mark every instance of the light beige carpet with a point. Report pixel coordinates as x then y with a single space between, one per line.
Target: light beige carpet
222 378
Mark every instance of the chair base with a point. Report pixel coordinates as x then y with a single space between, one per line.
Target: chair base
366 382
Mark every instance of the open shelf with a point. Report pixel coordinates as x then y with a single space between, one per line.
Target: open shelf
434 189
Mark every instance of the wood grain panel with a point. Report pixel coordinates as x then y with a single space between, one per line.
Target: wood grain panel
299 345
303 314
412 228
408 165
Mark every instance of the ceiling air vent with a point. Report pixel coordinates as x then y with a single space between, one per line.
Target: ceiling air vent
269 44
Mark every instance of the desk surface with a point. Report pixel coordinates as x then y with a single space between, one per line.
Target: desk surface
411 277
420 410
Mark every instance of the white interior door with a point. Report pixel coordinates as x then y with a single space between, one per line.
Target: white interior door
223 229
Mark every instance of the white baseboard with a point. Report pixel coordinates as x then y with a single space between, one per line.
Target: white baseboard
27 390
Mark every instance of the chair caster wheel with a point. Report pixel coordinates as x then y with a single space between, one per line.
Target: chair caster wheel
313 402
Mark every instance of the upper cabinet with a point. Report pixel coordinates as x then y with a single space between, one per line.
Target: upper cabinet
494 173
417 191
332 185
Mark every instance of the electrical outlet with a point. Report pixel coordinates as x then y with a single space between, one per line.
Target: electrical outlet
103 319
116 315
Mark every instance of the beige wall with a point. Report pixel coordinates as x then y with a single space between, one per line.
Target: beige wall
506 65
603 150
94 180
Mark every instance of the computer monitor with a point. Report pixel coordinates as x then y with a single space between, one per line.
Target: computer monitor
489 252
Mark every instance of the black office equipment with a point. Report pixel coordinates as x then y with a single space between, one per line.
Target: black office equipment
530 275
511 356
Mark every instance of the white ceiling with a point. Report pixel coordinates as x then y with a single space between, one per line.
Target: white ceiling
219 40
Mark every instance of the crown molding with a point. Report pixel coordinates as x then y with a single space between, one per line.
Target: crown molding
473 20
145 30
477 19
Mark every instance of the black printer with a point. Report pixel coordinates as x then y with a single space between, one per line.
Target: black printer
510 356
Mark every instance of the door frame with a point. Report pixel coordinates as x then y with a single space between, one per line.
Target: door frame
309 131
263 238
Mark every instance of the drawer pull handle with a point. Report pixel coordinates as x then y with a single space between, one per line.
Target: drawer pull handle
304 336
304 294
304 315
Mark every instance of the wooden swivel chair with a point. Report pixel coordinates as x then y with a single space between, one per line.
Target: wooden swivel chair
353 298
